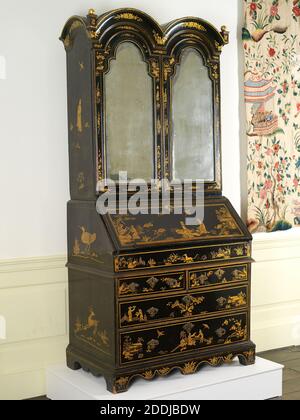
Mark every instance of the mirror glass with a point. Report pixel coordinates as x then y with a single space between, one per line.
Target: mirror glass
129 115
192 119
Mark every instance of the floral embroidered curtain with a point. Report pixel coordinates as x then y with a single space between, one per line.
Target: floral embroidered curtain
271 38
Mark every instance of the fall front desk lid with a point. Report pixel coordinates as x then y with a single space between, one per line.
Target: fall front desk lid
220 222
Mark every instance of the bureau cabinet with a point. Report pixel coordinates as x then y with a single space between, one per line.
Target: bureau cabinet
148 291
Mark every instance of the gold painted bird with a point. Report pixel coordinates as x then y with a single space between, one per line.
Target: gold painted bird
87 238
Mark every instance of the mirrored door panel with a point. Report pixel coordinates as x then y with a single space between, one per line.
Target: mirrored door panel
129 115
192 138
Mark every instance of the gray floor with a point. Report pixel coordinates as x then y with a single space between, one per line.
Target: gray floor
290 358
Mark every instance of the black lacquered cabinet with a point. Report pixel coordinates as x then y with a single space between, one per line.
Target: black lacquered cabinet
149 293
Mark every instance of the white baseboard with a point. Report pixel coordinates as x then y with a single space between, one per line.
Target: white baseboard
33 305
33 309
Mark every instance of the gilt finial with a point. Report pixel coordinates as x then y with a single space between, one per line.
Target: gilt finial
225 34
92 12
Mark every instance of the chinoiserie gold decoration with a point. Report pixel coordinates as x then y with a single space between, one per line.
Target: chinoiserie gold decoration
98 121
101 57
163 371
222 253
200 280
223 275
128 16
248 249
240 274
158 126
226 224
135 314
232 302
218 46
91 332
188 233
87 238
189 367
168 67
160 40
151 284
194 25
214 71
154 69
189 339
148 374
132 349
79 116
225 34
127 28
82 247
158 162
187 304
80 181
228 358
128 231
236 330
121 383
214 361
81 65
249 355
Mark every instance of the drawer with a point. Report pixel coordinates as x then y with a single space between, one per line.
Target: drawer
157 283
182 257
138 312
157 342
215 276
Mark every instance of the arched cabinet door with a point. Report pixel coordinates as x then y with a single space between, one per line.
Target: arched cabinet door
129 121
192 110
128 98
192 129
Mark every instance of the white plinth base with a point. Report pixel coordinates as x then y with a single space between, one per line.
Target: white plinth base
228 382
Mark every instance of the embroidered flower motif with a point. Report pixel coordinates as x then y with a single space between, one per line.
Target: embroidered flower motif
296 10
272 52
274 11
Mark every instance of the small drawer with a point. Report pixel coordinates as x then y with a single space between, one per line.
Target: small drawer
157 283
187 306
218 275
182 338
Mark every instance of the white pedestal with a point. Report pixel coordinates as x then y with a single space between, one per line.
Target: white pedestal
228 382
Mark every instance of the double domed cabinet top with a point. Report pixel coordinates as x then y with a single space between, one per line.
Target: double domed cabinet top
148 96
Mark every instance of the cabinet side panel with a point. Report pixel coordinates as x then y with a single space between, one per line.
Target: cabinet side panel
92 315
88 240
80 118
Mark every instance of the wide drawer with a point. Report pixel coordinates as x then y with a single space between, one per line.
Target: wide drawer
156 283
218 275
161 341
138 312
182 257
